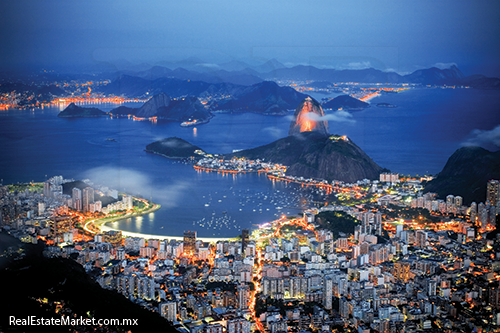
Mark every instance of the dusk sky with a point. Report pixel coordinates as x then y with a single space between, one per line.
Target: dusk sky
388 35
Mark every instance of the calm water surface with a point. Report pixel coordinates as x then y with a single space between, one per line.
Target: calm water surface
417 137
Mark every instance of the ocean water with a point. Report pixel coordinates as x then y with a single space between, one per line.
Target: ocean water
417 137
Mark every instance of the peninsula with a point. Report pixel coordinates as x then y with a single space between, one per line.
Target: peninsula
309 151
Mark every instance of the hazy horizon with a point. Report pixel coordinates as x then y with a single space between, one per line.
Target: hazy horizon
390 36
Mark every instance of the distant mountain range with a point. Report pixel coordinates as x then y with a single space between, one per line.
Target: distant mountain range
160 106
265 97
133 86
193 77
163 107
466 173
272 70
430 76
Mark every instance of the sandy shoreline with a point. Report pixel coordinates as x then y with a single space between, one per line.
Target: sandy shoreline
161 237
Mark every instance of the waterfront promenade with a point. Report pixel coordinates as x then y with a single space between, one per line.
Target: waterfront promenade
161 237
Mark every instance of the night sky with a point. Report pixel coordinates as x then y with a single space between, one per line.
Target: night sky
390 35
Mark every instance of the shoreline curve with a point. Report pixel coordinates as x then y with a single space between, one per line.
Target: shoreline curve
161 237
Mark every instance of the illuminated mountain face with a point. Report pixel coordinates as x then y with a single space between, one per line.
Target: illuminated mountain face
307 118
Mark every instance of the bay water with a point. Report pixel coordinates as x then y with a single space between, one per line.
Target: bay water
416 137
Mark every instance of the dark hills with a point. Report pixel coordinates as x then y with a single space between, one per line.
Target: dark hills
36 278
163 107
209 75
434 75
345 102
123 111
315 155
160 105
200 80
75 111
184 109
302 72
466 173
309 151
269 66
337 222
430 76
153 105
194 77
174 148
241 73
266 98
132 86
482 82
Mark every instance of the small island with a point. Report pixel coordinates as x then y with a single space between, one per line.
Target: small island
175 148
75 111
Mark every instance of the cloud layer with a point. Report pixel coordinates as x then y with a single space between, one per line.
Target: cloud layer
481 137
137 183
274 132
337 116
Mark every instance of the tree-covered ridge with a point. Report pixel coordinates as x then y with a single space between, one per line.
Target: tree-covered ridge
337 222
173 148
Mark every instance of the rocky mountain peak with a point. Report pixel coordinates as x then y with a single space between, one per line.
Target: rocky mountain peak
156 102
307 118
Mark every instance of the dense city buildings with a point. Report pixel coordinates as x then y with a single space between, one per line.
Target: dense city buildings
386 257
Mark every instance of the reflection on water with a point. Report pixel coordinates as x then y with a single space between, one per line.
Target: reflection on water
416 137
217 205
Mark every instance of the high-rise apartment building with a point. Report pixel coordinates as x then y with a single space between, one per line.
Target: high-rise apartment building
243 296
327 292
168 310
47 193
420 238
493 193
402 271
87 198
245 237
189 245
77 198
